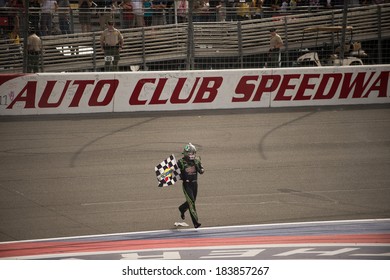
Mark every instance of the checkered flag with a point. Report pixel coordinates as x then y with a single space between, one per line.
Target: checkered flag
167 172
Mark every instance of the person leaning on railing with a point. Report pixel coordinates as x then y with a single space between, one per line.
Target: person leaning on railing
111 41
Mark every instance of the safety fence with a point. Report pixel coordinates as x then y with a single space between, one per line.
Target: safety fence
225 44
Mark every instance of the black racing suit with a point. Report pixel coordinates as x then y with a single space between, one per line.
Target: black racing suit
189 174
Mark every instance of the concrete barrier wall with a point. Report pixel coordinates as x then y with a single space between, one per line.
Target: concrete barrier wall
74 93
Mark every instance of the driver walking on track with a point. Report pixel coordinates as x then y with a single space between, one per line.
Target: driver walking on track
190 166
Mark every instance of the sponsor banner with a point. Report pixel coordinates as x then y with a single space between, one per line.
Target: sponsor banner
57 93
73 93
184 90
329 86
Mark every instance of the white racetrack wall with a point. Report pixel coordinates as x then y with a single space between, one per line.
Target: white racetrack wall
75 93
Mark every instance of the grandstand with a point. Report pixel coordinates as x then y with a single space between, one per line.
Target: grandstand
205 45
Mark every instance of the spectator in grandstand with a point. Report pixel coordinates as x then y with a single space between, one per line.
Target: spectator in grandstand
276 43
63 16
169 12
48 8
127 13
17 6
314 4
148 12
14 36
34 48
221 11
182 11
85 15
138 7
243 11
14 3
14 16
213 10
158 7
111 41
33 15
274 5
257 9
200 11
284 7
231 15
294 4
104 10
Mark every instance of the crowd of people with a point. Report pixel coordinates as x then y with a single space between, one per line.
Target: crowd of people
139 13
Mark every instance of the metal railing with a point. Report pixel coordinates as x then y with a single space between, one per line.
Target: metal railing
208 45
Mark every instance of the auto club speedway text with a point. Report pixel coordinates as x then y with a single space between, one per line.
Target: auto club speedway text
80 93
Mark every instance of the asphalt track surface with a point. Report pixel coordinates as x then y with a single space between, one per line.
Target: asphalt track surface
64 176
